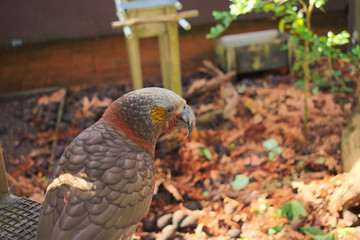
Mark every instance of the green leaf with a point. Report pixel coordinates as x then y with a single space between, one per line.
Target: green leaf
276 229
345 232
271 155
232 146
293 210
346 89
315 90
311 230
240 182
206 153
282 25
278 150
320 160
320 3
270 144
316 233
268 7
301 164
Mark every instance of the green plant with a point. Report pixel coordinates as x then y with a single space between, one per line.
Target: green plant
206 153
308 48
275 229
316 233
240 182
292 209
272 147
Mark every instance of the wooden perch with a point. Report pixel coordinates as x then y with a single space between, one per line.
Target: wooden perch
162 18
4 187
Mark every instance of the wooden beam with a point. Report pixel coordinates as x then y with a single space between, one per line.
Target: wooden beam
4 186
162 18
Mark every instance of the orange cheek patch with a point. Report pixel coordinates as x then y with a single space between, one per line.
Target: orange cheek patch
157 115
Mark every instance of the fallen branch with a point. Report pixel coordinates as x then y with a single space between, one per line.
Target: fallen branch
209 85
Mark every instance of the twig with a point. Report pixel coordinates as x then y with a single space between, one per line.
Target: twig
57 126
214 71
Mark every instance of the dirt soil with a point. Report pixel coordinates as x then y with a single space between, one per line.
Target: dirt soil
233 177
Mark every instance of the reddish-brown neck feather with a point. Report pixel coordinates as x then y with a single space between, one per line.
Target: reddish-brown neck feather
113 118
171 124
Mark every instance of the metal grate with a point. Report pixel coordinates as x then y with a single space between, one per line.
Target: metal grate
18 217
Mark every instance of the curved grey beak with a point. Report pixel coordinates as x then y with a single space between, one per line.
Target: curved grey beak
187 119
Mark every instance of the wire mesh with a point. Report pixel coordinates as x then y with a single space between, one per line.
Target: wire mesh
18 217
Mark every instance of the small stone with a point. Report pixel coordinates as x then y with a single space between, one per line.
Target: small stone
53 106
224 150
63 126
229 208
150 224
349 217
177 217
189 222
195 205
3 130
168 232
234 233
164 220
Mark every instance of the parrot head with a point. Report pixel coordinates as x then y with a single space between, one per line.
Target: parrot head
145 114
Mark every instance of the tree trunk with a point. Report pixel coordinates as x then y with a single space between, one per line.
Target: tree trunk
350 143
348 195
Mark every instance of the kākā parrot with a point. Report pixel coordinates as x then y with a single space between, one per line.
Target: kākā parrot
104 181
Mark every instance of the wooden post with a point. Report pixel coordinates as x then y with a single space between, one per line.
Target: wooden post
133 50
357 20
175 78
154 19
354 19
4 187
165 60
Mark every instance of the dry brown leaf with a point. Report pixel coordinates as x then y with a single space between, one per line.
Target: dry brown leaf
40 151
88 105
54 97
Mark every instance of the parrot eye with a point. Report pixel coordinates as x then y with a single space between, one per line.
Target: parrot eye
169 109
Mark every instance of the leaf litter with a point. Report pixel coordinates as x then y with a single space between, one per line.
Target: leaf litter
230 147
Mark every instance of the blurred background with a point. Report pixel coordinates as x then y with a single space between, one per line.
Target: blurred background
66 43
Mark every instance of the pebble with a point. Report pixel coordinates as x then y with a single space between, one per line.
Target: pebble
150 224
3 130
63 126
195 205
229 208
189 222
168 232
43 162
164 220
349 217
177 217
224 150
234 233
